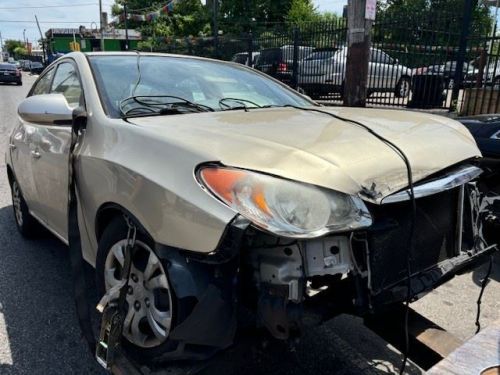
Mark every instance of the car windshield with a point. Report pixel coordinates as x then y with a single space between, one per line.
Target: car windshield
321 55
203 83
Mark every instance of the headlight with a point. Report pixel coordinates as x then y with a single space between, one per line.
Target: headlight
283 207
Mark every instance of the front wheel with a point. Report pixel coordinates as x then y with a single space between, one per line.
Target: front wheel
151 306
403 88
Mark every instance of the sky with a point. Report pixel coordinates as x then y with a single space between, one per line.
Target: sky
64 13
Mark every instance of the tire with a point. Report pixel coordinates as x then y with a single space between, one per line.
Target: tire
403 87
26 224
142 299
19 83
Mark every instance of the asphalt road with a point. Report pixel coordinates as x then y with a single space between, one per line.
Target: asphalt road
39 333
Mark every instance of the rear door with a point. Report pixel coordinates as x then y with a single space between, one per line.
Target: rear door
53 142
24 151
382 73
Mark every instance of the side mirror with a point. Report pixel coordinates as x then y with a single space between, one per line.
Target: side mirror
46 109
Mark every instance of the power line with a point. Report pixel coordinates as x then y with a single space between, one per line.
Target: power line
51 6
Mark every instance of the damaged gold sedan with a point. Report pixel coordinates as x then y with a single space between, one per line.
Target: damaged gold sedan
245 195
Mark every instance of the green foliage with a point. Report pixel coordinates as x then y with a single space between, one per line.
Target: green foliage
189 18
436 22
328 17
10 45
20 51
302 12
236 16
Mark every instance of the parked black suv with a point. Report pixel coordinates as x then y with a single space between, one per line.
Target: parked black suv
278 62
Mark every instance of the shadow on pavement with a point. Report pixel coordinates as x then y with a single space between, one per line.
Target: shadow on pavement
37 304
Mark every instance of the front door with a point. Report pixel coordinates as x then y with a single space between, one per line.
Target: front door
24 152
53 143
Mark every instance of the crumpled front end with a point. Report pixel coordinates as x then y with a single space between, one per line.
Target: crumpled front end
292 284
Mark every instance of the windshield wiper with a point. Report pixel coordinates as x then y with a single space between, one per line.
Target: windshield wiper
148 107
226 107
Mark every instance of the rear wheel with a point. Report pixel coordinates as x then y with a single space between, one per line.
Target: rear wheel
152 308
19 83
25 223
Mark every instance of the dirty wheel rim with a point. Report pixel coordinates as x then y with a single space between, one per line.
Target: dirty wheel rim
404 88
148 320
16 202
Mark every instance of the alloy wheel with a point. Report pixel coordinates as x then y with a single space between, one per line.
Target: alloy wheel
404 88
149 302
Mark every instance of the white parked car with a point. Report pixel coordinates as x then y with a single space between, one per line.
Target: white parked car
323 72
242 58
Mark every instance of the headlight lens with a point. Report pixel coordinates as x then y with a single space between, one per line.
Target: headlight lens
284 207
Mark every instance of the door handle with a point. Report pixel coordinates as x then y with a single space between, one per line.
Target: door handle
35 154
12 146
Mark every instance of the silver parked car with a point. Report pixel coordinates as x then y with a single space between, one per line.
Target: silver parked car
245 195
323 73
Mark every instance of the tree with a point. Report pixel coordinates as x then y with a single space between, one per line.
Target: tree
242 15
10 45
189 18
20 51
435 22
302 12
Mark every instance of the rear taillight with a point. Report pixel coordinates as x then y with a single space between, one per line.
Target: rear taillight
282 67
18 72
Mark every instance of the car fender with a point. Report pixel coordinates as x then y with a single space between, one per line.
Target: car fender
175 212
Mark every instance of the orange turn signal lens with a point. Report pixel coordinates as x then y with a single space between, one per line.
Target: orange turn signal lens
226 182
222 181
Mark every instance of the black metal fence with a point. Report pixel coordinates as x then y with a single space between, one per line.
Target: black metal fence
414 62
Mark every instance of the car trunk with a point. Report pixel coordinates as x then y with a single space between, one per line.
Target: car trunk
8 71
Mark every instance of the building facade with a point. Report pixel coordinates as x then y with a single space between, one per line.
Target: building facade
85 40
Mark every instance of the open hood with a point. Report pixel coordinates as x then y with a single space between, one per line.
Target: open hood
318 149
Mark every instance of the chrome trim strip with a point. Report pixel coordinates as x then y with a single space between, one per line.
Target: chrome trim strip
452 179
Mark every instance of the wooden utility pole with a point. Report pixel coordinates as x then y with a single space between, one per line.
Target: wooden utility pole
360 16
126 24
